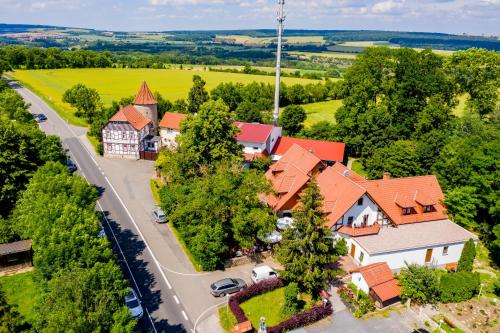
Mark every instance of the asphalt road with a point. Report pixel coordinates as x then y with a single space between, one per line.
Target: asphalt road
163 310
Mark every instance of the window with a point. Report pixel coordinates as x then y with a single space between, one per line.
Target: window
428 209
124 135
350 219
365 219
361 256
255 148
445 251
360 201
407 211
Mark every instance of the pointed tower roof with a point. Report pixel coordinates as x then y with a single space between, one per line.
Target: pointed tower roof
144 95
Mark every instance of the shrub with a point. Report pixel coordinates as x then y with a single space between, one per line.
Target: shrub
341 247
292 302
466 260
458 287
419 283
303 318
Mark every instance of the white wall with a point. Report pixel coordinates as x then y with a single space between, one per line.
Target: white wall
252 147
360 282
273 138
357 212
396 260
168 137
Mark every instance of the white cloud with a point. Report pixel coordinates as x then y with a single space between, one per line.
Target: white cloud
386 6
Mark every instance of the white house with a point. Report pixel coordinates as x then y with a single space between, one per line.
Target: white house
392 220
170 128
130 132
257 139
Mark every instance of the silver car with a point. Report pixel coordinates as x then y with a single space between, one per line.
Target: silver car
227 286
134 304
158 215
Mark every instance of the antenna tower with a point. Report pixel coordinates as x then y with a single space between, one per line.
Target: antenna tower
281 19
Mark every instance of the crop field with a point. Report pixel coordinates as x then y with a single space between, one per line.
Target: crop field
321 111
338 55
242 39
114 83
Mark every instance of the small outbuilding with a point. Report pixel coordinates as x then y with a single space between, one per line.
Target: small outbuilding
15 256
377 280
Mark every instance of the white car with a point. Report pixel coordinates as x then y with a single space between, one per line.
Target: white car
134 304
261 273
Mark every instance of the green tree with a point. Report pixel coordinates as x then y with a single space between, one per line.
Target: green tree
11 321
13 107
306 250
341 247
230 93
292 303
197 95
461 204
209 136
477 73
179 106
466 261
248 112
459 287
419 283
399 158
322 130
86 101
292 119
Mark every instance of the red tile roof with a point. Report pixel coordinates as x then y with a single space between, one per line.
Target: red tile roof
250 132
172 120
379 278
324 150
394 193
361 231
132 116
290 175
144 95
340 193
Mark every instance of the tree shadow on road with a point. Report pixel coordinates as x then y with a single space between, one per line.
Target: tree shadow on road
133 248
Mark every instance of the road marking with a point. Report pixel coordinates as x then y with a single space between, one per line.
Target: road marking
176 299
204 312
151 320
185 316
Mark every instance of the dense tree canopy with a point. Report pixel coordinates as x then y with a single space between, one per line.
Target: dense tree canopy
420 284
197 95
86 101
292 119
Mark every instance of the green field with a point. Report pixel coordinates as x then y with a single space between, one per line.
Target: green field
21 290
115 83
321 111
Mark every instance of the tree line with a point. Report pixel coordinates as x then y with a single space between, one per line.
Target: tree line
397 116
82 287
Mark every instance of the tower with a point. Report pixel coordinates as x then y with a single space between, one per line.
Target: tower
281 19
146 104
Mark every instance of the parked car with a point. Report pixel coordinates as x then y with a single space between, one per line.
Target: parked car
40 117
263 273
134 304
158 215
226 286
102 233
70 165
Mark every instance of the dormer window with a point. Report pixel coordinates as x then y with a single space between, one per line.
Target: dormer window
408 211
428 208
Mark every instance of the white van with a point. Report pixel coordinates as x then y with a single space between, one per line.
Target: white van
263 273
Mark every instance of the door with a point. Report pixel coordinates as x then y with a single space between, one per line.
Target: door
353 250
428 256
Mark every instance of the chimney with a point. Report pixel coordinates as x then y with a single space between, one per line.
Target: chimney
387 176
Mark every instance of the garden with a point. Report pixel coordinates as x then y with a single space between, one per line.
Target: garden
356 300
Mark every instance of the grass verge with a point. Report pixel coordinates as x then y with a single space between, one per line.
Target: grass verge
155 186
226 319
321 111
21 290
357 167
94 142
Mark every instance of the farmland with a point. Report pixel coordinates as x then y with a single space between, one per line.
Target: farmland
321 111
113 84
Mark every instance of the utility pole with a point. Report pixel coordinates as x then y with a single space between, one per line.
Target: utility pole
281 19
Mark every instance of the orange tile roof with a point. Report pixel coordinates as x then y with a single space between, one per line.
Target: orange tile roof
394 193
290 175
376 273
324 150
172 120
339 192
361 231
340 168
387 290
132 116
144 95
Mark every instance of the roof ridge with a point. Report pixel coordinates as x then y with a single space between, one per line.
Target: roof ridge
352 181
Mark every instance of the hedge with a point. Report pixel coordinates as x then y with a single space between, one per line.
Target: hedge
298 320
458 287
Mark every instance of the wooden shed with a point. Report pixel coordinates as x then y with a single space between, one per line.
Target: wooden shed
15 256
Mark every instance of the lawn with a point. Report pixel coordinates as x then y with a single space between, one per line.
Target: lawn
357 167
321 111
226 319
20 289
115 83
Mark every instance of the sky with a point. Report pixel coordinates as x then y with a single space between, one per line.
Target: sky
449 16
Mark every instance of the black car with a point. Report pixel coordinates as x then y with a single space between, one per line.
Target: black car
70 165
40 117
226 286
